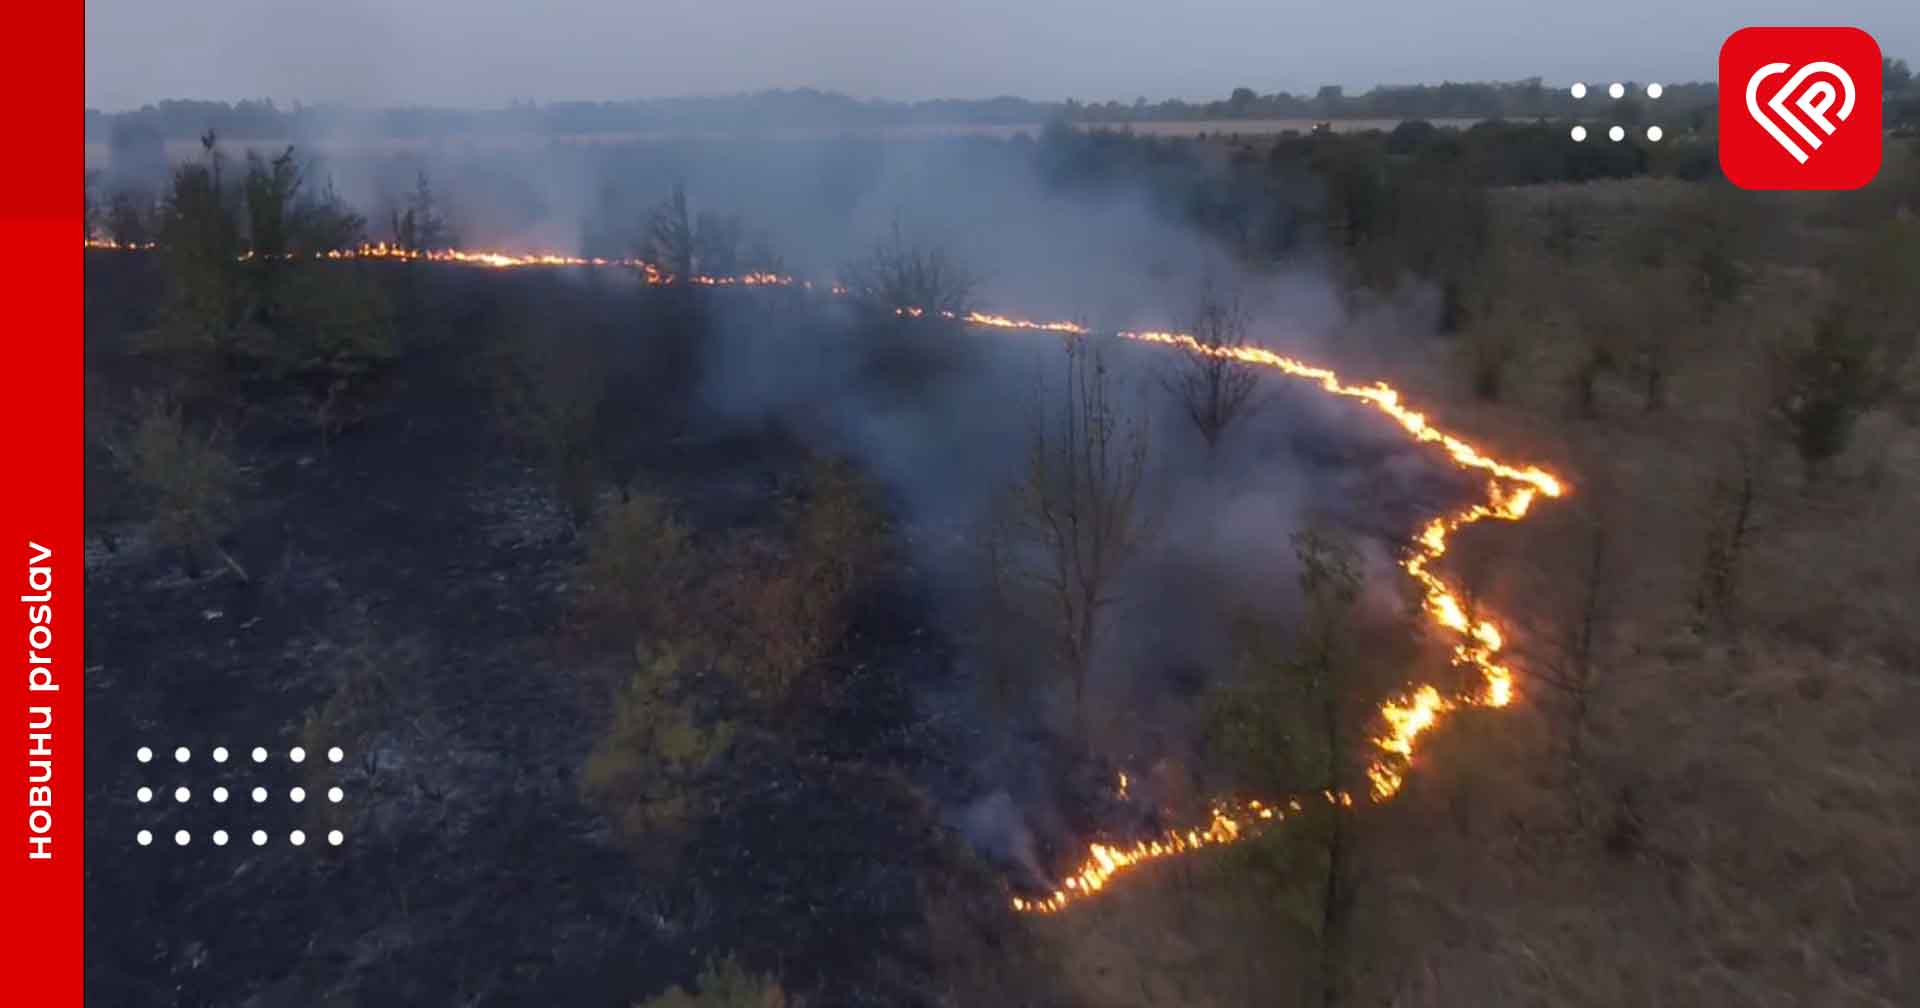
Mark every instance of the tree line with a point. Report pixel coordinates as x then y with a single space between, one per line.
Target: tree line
264 119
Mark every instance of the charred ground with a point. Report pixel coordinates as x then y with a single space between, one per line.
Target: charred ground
535 543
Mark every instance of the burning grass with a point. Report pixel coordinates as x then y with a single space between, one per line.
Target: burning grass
1511 493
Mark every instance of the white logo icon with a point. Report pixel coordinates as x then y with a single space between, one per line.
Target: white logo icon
1815 101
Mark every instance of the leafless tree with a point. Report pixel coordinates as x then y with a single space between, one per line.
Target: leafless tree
671 240
1213 387
420 226
901 274
1330 579
1078 507
684 244
1578 645
1730 518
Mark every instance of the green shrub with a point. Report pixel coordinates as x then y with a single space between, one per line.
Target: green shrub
185 478
652 771
548 394
640 568
724 984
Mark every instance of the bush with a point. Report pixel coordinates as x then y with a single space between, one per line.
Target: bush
640 568
332 344
1826 383
187 480
1857 354
900 274
790 598
653 770
724 984
246 304
548 396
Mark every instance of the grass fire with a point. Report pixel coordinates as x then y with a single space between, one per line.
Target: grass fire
1427 564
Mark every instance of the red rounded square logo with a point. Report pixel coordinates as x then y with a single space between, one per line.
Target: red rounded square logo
1800 108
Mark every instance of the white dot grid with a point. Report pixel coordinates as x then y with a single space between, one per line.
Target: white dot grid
1616 90
183 795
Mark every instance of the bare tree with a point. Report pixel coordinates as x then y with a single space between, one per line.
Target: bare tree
90 211
671 240
717 239
684 244
1578 644
420 226
1078 506
1330 578
1213 387
901 275
1730 517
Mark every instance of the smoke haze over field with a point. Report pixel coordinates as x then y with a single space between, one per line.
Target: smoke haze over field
487 52
943 419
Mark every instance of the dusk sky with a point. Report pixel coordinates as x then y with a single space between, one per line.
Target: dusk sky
487 52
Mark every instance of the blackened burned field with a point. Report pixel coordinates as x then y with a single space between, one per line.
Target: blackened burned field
411 584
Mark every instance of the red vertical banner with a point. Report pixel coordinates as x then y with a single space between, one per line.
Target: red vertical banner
41 431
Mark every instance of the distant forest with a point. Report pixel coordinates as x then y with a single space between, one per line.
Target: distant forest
263 119
1686 106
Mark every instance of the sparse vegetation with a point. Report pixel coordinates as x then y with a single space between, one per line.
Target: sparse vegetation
1213 388
726 641
717 711
724 984
1080 509
188 480
548 395
901 274
655 769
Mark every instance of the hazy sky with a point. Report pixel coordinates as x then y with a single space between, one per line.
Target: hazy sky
486 52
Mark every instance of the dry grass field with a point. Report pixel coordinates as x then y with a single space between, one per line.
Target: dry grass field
1728 812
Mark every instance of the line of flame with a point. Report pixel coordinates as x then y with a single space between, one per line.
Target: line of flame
1405 717
506 260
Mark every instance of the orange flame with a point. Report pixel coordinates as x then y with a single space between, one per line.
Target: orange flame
1408 716
1405 717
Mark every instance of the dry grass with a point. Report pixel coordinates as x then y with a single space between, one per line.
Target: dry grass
1744 823
1747 827
1176 933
